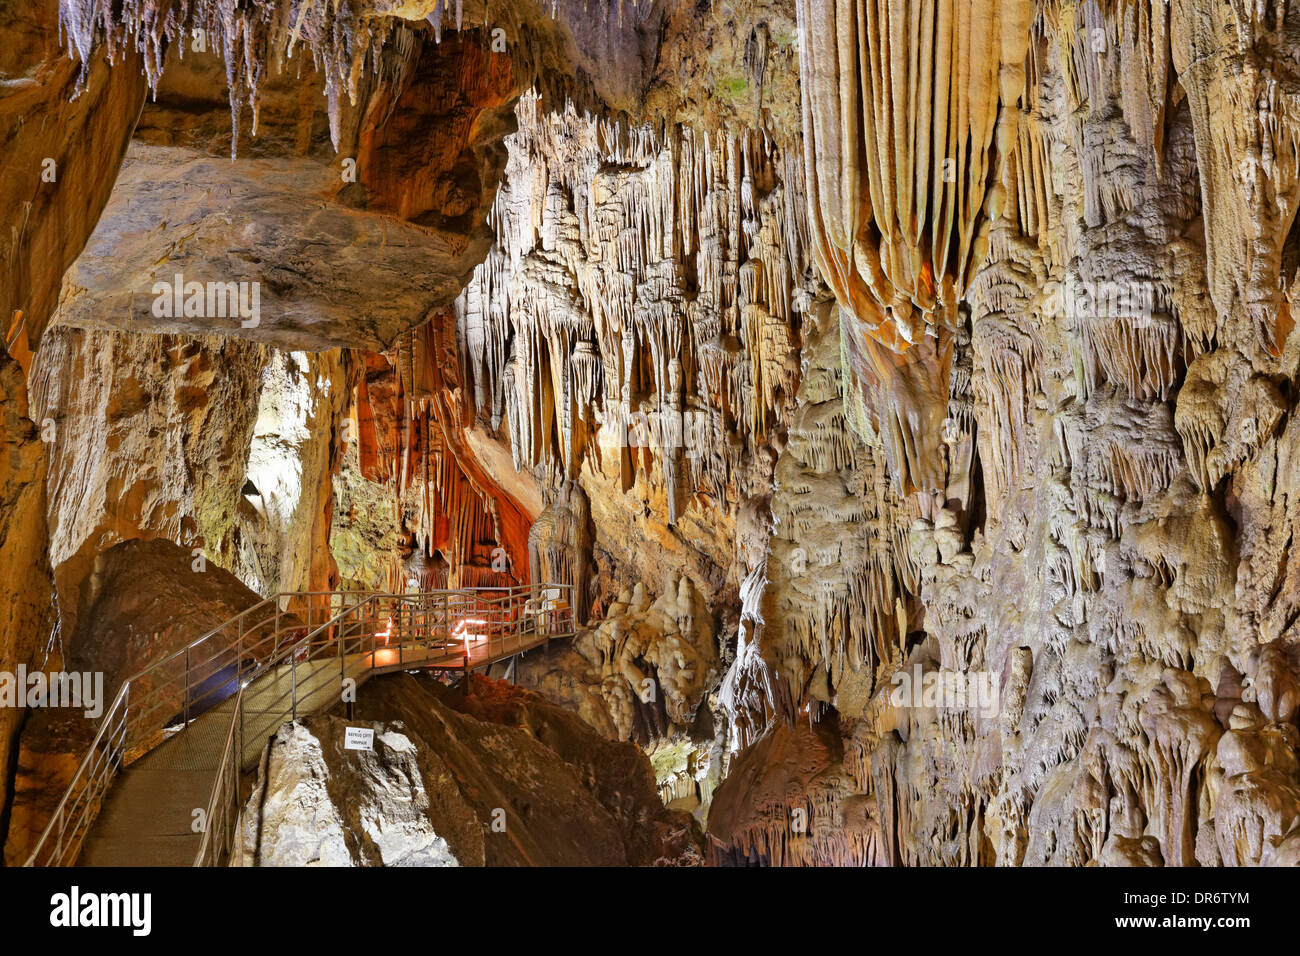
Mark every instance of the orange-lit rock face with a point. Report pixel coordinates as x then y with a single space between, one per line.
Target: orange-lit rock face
313 225
62 167
27 591
427 164
56 177
462 522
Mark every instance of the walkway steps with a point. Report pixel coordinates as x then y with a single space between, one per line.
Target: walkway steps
148 817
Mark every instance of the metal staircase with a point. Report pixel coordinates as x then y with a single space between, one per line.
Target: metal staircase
160 784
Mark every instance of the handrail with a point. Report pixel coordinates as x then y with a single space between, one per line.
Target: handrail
226 785
274 600
152 700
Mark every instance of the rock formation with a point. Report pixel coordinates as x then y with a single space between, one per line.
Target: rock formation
483 775
140 601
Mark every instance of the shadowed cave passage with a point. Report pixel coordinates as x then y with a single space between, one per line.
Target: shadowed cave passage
782 432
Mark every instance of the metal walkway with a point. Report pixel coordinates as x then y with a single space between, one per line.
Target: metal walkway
160 784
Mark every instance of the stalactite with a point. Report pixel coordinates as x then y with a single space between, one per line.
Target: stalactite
601 229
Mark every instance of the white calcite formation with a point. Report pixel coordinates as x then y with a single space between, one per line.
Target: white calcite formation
222 446
633 329
286 505
299 819
1115 561
484 774
659 654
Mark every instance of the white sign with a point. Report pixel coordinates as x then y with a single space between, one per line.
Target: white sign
359 738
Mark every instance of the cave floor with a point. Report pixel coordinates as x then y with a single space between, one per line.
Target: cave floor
148 816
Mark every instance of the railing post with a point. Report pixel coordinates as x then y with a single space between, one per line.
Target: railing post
187 684
368 638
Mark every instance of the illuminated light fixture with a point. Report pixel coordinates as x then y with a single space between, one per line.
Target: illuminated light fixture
462 630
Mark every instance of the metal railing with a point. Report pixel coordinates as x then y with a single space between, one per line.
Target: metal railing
292 639
222 819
